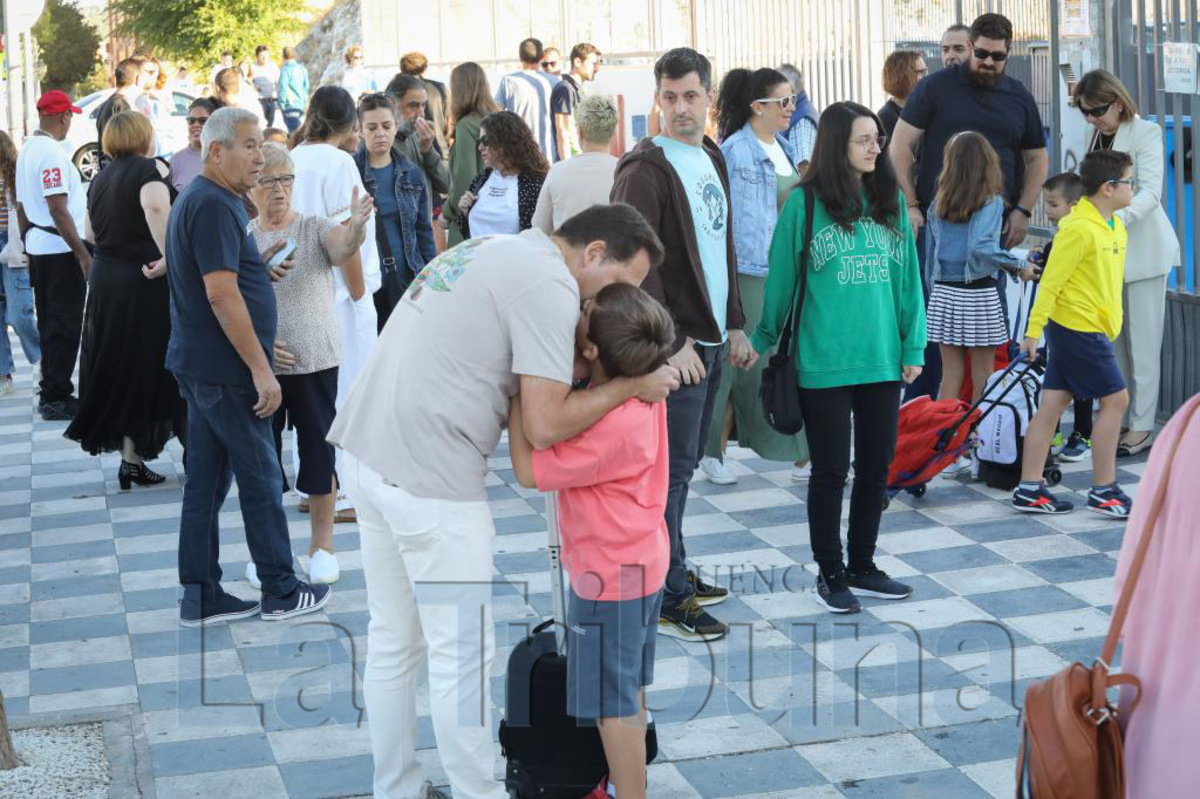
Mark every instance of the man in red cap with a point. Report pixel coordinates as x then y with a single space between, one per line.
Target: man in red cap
50 208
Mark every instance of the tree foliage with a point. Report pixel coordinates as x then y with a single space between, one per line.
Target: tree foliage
67 45
198 31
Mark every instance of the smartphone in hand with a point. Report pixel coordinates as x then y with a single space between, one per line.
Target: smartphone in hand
289 248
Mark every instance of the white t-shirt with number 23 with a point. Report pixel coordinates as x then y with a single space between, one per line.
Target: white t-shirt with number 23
44 170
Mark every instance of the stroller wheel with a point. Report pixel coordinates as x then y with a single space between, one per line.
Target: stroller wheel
1053 477
917 491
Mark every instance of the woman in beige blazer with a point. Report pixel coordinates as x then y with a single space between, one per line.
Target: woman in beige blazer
1153 246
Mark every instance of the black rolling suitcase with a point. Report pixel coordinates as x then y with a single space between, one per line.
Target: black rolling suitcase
549 754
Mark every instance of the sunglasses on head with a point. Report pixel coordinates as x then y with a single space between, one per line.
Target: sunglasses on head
997 56
1098 111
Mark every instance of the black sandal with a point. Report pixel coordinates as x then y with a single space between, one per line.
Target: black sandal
1125 450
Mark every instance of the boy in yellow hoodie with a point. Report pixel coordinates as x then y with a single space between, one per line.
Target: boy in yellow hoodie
1078 308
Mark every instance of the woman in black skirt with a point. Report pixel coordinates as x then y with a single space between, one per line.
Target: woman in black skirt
129 402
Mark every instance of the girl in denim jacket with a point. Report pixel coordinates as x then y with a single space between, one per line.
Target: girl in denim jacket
964 259
753 113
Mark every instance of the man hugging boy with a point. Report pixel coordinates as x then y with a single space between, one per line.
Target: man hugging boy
611 481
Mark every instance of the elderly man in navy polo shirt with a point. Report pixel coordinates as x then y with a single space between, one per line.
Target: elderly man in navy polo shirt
977 96
223 321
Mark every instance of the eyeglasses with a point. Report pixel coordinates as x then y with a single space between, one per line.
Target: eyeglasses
483 141
1130 182
999 56
278 180
866 141
196 121
785 103
1097 112
549 64
921 72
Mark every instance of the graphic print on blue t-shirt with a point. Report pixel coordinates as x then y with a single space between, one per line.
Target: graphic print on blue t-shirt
710 215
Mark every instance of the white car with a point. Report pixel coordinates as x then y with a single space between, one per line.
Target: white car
82 145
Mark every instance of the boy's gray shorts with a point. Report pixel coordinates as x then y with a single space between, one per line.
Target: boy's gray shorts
610 654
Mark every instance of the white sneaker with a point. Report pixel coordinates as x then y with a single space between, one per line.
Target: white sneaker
323 568
717 472
6 386
801 474
252 575
958 468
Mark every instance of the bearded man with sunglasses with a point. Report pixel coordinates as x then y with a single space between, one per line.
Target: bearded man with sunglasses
978 96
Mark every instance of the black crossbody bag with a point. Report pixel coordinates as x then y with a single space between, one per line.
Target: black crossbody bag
780 390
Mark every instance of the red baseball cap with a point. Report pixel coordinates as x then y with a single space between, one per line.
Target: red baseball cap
56 102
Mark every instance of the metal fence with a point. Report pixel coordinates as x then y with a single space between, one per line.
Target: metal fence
1141 29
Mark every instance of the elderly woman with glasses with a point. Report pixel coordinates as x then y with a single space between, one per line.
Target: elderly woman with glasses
1153 247
187 163
754 111
308 329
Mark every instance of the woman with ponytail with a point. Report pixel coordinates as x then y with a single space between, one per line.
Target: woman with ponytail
753 113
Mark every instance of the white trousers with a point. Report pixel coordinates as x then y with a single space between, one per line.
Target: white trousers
1139 349
428 567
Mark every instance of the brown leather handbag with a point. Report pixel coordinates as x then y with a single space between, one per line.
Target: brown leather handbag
1071 745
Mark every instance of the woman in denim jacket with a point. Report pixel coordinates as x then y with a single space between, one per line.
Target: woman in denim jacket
403 231
964 258
753 114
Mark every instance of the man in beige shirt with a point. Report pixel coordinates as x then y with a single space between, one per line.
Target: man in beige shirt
417 430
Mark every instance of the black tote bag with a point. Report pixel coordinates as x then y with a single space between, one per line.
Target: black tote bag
780 389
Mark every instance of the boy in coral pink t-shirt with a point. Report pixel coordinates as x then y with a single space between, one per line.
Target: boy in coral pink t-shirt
611 481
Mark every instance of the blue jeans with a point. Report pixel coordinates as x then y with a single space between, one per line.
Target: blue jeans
292 118
226 440
16 309
689 414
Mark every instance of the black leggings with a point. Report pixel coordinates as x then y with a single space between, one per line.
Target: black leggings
1083 418
874 408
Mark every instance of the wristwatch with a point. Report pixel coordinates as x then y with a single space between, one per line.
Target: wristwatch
1026 211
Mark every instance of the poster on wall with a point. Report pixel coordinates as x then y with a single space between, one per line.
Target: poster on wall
1073 18
1179 67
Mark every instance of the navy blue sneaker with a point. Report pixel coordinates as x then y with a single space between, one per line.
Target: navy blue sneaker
219 610
875 582
1110 501
1077 449
833 593
304 599
1040 501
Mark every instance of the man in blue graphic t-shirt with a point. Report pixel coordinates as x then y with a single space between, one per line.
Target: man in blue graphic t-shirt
678 182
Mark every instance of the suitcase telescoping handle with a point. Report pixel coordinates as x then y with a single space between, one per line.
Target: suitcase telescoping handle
554 552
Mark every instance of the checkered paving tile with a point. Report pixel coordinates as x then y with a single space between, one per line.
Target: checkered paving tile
913 698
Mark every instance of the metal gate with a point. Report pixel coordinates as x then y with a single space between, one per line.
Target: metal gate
1142 27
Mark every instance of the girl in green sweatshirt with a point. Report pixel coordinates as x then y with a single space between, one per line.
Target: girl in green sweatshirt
862 330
